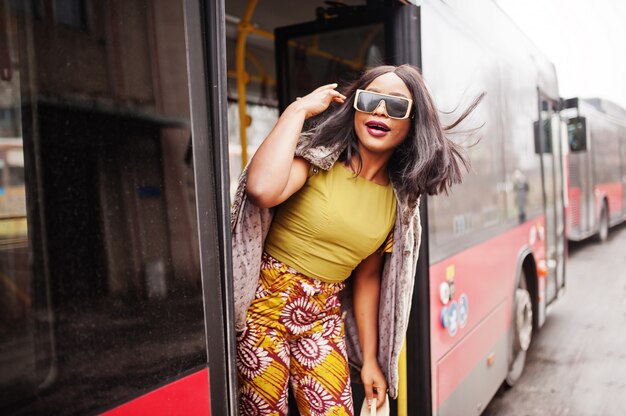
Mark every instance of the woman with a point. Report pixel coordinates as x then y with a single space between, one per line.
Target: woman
315 208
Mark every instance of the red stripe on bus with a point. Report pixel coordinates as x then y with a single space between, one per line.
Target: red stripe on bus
486 274
187 396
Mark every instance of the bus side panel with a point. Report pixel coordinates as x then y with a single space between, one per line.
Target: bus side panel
187 396
606 164
485 369
486 276
477 232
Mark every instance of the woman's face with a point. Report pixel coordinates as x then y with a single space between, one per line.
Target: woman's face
377 132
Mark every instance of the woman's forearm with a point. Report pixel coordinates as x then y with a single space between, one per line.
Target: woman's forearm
269 170
273 175
366 292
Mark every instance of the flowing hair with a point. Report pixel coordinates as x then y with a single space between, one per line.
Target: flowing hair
426 162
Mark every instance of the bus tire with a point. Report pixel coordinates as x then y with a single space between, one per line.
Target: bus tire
522 331
603 226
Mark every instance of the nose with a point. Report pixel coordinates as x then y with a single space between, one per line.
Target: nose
381 109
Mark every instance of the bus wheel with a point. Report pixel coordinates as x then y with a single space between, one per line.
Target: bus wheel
522 331
603 227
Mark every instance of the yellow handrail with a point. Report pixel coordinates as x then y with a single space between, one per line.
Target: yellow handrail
402 384
244 27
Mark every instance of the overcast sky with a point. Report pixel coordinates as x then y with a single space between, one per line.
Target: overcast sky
586 40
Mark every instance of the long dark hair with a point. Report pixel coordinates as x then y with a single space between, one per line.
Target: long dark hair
427 161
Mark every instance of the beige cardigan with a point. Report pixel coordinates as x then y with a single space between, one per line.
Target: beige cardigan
250 225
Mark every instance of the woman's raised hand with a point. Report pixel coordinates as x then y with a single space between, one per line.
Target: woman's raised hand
274 175
318 101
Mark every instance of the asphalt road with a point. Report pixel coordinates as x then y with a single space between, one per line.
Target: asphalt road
577 361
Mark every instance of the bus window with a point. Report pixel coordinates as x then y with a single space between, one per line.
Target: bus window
577 134
544 146
100 296
316 59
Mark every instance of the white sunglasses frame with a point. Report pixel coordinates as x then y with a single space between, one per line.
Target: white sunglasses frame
408 110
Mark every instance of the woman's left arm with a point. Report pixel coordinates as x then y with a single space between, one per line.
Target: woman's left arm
366 294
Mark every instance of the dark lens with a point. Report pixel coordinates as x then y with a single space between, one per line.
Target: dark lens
367 101
396 107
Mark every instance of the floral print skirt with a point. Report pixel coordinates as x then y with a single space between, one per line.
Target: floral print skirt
294 334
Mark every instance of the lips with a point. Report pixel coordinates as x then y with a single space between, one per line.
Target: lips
377 128
377 125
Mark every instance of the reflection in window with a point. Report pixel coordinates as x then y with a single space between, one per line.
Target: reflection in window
100 294
18 316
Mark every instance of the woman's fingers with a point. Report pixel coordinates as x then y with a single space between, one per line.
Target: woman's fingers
380 393
373 392
330 89
374 383
369 393
318 100
337 97
326 87
337 94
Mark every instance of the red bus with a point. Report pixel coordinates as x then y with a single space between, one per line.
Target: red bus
134 118
597 167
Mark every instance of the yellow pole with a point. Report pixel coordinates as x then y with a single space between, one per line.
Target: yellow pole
402 384
245 27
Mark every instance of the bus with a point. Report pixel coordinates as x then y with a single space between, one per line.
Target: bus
596 131
135 119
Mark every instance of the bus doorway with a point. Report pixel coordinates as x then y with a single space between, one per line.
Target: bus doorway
332 43
338 50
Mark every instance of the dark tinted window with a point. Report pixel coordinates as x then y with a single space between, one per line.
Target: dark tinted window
100 291
335 56
71 13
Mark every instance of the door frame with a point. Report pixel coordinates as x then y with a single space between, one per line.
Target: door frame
205 33
556 176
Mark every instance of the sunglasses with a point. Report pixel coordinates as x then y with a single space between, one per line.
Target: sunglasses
397 107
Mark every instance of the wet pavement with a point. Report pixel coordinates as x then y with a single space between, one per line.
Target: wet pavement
577 361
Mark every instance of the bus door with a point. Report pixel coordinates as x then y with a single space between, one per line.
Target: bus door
560 194
336 48
549 149
113 238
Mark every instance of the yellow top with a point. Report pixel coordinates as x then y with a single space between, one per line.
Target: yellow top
336 220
